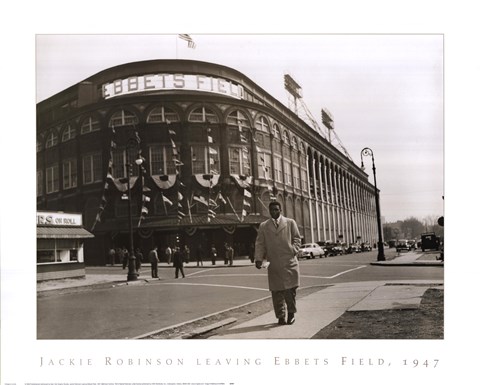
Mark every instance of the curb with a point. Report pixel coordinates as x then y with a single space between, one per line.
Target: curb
206 329
415 263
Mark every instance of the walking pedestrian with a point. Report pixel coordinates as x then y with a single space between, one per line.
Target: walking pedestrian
138 259
153 257
186 254
124 255
225 253
168 254
111 256
229 254
200 254
276 247
178 262
213 254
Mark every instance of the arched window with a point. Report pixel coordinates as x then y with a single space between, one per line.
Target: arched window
203 115
276 131
294 144
162 114
239 128
302 148
286 140
52 139
68 133
122 118
261 124
238 119
90 124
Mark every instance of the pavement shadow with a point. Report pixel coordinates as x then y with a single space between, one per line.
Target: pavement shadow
248 329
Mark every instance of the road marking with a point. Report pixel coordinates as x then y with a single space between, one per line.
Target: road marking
336 275
227 275
212 285
262 275
301 275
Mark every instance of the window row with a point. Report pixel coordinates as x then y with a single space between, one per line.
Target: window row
162 161
236 120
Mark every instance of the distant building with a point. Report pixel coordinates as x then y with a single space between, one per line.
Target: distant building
216 149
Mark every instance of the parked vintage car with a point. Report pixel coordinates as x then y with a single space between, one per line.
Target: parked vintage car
402 244
331 249
366 246
430 242
311 250
413 244
354 248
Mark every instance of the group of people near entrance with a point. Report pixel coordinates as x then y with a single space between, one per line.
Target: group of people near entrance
276 249
179 257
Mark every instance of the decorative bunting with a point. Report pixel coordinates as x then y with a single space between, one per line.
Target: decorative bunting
166 200
200 199
222 199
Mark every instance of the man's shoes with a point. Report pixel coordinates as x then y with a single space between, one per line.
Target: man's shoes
282 321
291 318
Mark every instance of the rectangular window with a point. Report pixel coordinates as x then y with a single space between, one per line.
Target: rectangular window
296 176
89 125
205 160
288 172
161 160
39 183
264 166
118 164
69 173
303 173
92 168
277 166
239 161
52 179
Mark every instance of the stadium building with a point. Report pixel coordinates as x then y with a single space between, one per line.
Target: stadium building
188 152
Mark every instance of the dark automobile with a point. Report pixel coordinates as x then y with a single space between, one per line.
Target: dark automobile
430 241
331 249
366 246
354 248
392 243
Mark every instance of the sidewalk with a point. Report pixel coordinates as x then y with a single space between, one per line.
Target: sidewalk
318 310
412 259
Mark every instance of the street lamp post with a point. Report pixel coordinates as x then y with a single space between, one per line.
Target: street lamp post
132 274
381 253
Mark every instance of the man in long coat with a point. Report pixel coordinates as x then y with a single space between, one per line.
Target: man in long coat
278 242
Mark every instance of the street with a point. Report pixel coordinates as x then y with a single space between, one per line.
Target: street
128 311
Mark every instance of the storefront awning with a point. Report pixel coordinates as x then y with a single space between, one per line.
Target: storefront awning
63 232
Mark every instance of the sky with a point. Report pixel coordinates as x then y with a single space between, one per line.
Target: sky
385 92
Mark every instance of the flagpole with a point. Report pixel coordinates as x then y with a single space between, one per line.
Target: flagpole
230 203
263 204
189 211
164 205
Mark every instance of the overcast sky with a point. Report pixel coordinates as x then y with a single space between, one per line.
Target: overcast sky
384 91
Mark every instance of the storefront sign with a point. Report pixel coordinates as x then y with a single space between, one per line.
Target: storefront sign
159 82
58 219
